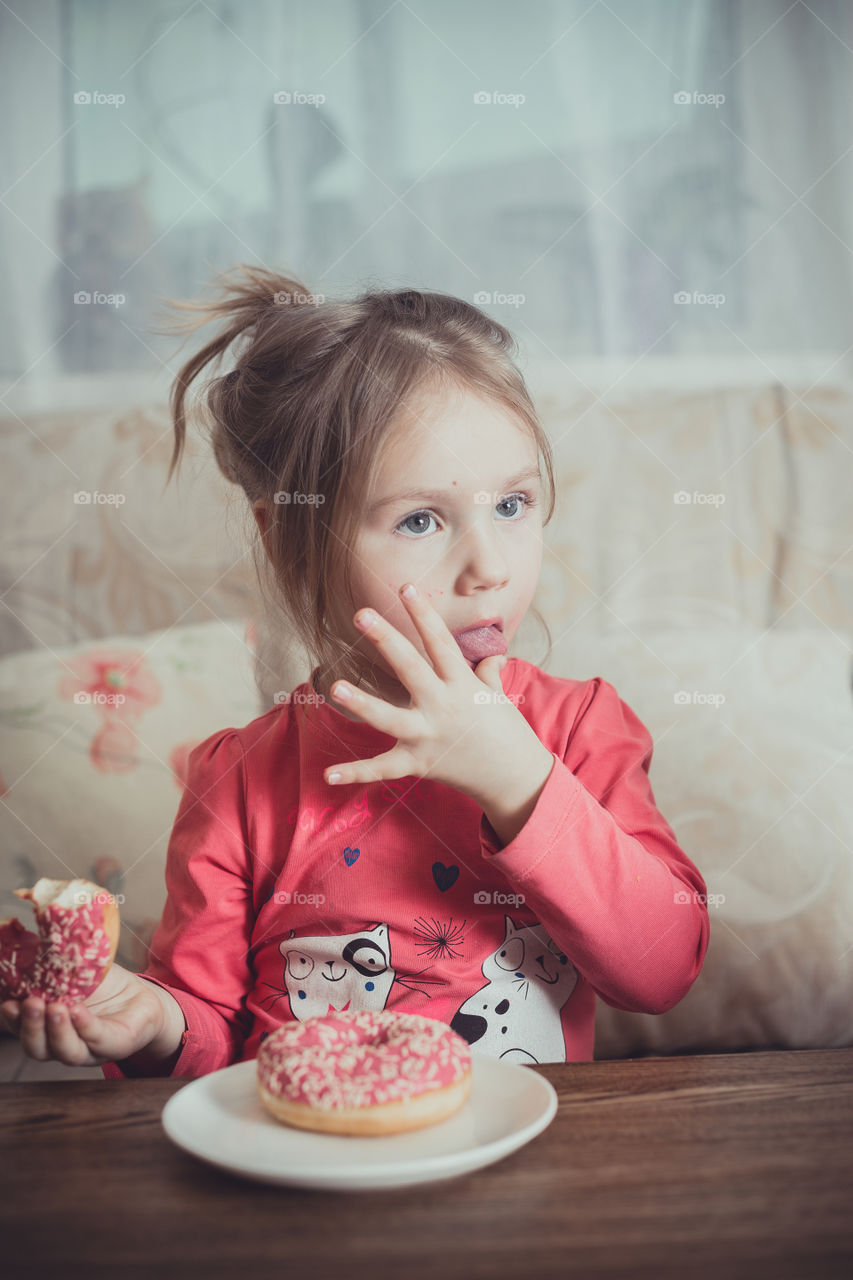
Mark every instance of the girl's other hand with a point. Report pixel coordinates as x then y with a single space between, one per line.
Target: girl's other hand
117 1020
460 727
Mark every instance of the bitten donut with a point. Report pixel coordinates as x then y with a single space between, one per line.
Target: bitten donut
364 1073
78 930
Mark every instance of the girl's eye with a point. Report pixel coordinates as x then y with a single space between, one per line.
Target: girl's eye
523 499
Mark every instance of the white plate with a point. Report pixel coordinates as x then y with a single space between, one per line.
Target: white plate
220 1118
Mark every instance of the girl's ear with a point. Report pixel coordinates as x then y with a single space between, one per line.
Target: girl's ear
260 511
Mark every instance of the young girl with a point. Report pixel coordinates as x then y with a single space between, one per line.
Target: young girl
422 825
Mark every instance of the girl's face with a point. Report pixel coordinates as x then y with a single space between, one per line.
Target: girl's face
456 509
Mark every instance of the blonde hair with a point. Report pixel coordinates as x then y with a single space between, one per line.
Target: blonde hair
315 392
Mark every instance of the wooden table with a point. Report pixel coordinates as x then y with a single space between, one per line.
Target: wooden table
713 1165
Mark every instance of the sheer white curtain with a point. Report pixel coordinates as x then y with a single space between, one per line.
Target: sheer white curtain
581 200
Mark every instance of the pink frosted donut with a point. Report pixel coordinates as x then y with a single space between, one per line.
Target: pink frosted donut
78 930
364 1072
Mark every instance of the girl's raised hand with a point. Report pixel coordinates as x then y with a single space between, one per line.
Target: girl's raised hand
460 729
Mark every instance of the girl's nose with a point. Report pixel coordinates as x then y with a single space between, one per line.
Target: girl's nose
484 564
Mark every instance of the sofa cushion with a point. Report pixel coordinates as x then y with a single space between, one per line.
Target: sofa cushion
93 755
753 769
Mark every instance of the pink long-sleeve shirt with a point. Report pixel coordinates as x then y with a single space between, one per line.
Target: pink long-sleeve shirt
288 897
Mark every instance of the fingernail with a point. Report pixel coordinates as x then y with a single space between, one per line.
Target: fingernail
334 777
409 592
366 619
31 1013
55 1017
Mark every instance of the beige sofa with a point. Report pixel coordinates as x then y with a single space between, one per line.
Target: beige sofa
699 559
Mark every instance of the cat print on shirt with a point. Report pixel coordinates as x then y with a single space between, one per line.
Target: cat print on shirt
337 972
328 975
516 1015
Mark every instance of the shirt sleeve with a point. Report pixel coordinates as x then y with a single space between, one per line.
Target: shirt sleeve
602 870
200 950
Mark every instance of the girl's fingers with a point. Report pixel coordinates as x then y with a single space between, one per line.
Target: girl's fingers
393 764
33 1034
10 1013
62 1038
375 711
442 649
411 667
46 1031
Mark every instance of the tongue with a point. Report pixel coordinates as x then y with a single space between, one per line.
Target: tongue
481 642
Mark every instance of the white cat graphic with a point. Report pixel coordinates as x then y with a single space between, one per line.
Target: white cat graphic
516 1015
327 975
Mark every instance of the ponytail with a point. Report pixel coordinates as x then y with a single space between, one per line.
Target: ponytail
247 299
